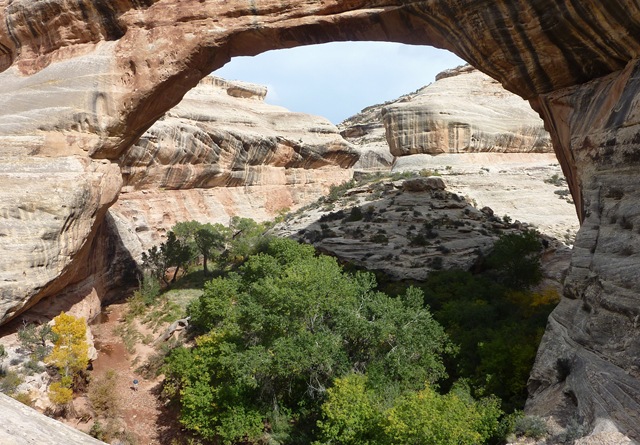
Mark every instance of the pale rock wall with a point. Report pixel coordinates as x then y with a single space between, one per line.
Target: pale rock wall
464 111
22 425
224 152
50 209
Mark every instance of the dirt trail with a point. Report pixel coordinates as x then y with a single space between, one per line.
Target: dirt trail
142 412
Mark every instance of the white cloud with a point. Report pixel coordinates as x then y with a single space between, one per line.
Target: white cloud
337 80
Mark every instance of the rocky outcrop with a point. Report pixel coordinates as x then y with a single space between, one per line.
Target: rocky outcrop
86 78
464 111
224 152
222 134
524 186
408 228
22 425
51 208
588 362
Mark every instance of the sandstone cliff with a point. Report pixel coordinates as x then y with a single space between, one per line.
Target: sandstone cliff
224 152
85 79
463 111
22 425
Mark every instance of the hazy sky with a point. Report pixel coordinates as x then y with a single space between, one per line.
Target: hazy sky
337 80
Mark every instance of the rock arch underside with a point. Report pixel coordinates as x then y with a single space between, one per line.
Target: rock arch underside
81 80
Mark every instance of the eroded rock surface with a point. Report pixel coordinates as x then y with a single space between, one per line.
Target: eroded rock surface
588 361
224 152
408 228
87 78
50 209
464 111
22 425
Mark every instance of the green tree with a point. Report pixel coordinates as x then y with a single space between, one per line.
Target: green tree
280 331
174 252
515 259
355 414
211 240
246 238
497 328
425 417
34 339
351 414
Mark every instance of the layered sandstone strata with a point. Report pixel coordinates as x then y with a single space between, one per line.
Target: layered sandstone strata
224 152
464 111
87 78
50 209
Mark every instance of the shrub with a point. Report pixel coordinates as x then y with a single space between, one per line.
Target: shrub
379 238
515 259
556 180
34 340
60 394
103 396
425 172
10 382
531 426
355 215
24 398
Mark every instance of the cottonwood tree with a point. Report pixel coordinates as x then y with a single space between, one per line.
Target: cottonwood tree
275 335
70 355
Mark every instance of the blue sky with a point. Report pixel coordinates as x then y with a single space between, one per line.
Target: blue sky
337 80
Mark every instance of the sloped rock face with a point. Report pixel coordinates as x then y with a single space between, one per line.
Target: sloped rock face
51 209
86 78
22 425
223 152
588 362
464 111
408 228
222 134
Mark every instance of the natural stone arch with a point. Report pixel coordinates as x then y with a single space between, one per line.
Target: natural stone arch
109 69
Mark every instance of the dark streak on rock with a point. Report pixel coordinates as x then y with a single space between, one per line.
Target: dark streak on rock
621 110
109 20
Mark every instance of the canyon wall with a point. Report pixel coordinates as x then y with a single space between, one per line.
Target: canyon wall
82 80
463 111
224 152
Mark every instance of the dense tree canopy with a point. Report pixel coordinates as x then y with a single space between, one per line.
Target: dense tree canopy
278 333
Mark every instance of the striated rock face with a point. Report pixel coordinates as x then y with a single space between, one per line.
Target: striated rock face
223 152
50 210
22 425
222 134
84 79
464 111
588 362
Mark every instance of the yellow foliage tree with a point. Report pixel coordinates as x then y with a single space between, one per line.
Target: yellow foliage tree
59 394
70 351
